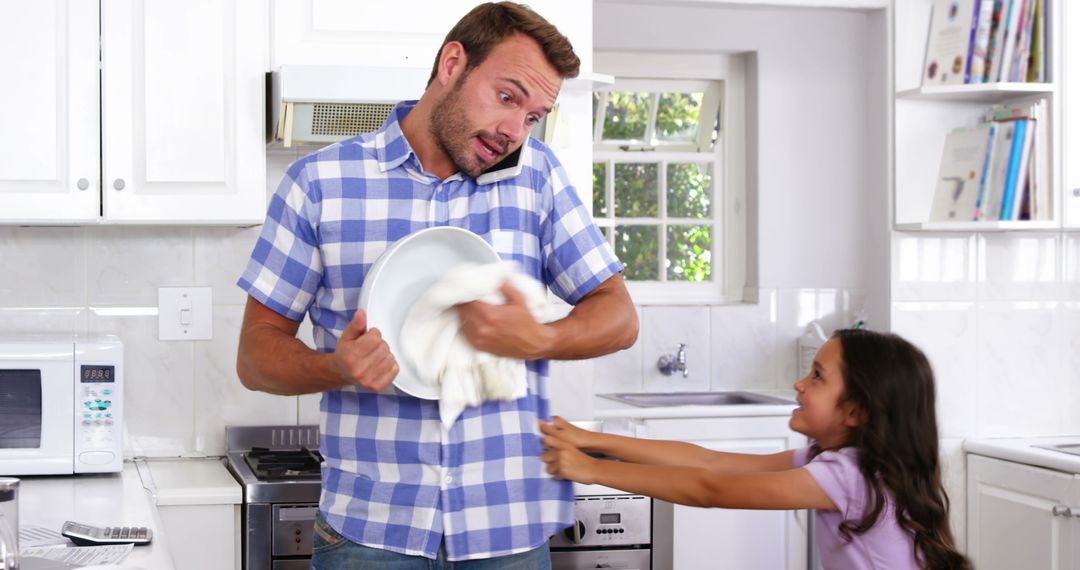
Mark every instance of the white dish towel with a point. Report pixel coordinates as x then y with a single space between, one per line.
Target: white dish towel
440 354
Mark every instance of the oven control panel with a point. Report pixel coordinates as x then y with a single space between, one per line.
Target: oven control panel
608 520
292 528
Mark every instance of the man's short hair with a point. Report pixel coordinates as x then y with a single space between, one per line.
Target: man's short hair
488 24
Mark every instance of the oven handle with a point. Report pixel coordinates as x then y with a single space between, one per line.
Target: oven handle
297 514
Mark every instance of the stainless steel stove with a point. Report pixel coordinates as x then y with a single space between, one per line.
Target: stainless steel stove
279 469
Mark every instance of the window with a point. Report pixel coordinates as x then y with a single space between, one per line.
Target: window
662 191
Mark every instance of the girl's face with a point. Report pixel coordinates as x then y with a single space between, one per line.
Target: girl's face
822 415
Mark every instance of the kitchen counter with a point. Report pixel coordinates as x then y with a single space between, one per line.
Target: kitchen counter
200 481
605 409
1023 450
101 500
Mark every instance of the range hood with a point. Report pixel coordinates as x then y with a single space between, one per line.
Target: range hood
322 104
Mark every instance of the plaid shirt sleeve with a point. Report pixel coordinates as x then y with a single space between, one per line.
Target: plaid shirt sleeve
286 266
575 254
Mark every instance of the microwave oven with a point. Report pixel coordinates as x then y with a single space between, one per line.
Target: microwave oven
61 405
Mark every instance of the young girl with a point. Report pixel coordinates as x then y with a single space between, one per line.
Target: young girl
871 472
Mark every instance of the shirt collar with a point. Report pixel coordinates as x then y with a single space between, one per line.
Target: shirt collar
391 147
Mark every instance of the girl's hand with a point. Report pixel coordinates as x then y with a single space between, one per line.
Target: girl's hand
564 460
570 433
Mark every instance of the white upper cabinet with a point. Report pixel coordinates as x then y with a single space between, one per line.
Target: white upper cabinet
181 112
49 152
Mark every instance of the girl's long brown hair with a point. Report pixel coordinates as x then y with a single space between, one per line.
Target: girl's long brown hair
890 381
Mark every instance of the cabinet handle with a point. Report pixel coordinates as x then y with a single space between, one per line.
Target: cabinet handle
118 184
83 184
1061 511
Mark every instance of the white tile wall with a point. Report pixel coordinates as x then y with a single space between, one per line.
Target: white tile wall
663 328
997 315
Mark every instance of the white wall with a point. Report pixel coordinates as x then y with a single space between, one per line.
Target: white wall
821 197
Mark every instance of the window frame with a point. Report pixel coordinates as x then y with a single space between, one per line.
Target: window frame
675 72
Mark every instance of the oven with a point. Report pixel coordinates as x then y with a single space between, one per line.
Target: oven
279 470
612 529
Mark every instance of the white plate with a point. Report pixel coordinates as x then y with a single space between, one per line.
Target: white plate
402 274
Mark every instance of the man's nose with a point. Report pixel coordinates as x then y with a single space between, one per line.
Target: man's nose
514 127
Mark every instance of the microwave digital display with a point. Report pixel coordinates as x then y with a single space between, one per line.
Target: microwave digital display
609 518
92 373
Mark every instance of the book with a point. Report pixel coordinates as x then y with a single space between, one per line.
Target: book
997 172
997 40
960 174
1012 24
980 43
1023 43
1012 177
1024 172
948 42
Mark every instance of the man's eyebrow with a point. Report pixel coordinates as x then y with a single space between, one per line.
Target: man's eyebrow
521 86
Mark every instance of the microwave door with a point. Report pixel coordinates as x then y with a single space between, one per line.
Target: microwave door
37 415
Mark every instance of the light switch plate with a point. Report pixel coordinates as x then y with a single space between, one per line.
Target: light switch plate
185 313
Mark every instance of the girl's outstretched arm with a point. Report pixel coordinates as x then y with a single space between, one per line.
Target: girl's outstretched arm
660 452
689 485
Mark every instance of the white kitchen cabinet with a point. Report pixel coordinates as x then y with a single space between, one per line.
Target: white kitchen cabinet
692 537
1021 516
922 117
181 112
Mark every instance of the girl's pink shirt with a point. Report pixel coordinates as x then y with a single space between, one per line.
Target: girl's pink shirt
885 546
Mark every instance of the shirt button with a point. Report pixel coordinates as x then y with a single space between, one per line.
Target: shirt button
448 479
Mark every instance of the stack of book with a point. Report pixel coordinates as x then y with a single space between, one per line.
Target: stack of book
986 41
997 170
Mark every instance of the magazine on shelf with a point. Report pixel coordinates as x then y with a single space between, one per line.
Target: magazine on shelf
997 40
980 43
949 42
962 170
1012 23
997 169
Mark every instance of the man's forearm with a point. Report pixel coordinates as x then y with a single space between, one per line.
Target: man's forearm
601 323
274 362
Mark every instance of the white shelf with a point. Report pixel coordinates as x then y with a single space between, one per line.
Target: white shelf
999 226
976 92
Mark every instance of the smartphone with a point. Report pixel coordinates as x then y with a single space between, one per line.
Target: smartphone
508 167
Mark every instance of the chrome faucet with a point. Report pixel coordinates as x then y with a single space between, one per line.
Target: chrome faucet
672 363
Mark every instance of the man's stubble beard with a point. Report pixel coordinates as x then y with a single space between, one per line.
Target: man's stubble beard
450 129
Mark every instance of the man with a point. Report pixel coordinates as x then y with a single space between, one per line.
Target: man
397 486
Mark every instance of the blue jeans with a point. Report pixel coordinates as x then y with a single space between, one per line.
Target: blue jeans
332 551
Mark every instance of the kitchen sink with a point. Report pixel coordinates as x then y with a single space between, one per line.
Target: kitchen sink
1072 448
661 399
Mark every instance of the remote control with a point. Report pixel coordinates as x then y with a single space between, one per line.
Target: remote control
86 535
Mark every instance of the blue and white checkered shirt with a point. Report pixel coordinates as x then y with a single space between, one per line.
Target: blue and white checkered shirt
394 478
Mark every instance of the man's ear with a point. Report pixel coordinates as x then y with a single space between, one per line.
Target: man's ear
452 60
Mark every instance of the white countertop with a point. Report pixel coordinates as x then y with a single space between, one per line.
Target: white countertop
100 500
1023 450
190 481
605 408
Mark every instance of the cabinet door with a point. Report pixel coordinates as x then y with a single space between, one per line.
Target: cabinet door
183 104
1011 518
730 538
49 149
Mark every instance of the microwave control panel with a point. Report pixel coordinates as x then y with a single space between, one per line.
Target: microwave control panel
98 411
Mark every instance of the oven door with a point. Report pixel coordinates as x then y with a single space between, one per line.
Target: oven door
37 409
629 559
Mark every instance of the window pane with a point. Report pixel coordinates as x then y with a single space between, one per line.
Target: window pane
599 180
689 253
677 116
636 194
626 116
637 247
689 188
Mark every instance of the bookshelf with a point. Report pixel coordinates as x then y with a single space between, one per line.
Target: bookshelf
923 116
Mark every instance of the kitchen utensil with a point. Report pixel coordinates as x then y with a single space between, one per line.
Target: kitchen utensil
402 274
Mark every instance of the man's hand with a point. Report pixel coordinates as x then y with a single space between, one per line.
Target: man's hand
362 356
564 459
505 330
